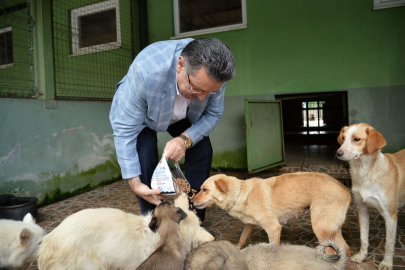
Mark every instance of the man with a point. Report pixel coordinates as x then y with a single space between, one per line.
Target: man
175 86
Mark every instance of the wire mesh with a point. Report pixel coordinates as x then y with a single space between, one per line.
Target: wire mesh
92 47
16 50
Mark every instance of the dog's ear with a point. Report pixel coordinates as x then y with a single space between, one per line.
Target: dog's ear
221 185
375 141
154 224
340 137
203 236
24 236
181 215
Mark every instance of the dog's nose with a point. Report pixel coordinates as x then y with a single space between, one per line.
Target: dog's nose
339 153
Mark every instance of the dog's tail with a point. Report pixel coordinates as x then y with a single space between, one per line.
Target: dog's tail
338 260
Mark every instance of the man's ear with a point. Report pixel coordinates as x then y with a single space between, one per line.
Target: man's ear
221 185
181 214
375 141
24 236
180 64
153 224
339 138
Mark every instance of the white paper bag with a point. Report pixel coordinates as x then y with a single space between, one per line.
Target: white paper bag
162 178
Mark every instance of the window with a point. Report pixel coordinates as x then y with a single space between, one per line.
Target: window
96 27
312 113
380 4
6 47
196 17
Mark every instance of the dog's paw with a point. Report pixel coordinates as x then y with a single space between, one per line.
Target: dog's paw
358 258
385 266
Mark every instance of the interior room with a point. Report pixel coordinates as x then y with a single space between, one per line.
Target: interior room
311 124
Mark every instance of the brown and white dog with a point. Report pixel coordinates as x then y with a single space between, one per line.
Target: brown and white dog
272 201
378 181
171 250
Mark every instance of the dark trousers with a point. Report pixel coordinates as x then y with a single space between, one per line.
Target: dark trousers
197 162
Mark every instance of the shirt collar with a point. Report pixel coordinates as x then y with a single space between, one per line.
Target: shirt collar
177 88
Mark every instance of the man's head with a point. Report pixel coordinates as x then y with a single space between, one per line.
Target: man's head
204 66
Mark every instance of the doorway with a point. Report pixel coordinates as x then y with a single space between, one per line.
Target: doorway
311 125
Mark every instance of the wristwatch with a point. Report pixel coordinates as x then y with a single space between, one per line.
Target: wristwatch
187 141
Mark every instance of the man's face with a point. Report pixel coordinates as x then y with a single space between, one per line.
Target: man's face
197 85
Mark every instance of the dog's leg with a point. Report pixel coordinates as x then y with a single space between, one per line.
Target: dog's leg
391 228
339 238
247 231
273 231
364 224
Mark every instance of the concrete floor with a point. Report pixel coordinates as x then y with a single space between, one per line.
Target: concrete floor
225 227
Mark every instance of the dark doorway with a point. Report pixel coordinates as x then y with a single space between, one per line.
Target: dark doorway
311 124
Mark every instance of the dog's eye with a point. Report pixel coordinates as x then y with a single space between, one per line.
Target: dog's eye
356 139
343 138
204 189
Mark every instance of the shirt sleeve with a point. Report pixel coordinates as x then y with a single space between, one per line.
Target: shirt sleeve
209 119
127 117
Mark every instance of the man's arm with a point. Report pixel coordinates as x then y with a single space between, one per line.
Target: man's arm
209 119
175 149
127 118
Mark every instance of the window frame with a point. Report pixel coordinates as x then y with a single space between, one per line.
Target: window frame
88 10
3 31
177 34
382 4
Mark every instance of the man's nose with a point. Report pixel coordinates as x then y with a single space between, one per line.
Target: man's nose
201 97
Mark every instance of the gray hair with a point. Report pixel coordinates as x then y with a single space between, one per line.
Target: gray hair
213 55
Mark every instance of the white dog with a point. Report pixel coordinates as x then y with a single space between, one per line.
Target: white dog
108 238
19 241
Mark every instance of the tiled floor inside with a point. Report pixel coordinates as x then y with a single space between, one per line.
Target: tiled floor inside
306 152
225 227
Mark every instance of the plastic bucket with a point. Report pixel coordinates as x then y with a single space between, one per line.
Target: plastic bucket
12 207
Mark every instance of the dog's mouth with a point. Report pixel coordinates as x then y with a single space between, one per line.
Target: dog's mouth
199 206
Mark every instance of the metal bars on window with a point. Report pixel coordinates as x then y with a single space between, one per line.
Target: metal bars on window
16 50
92 47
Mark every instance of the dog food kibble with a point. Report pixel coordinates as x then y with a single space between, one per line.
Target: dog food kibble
181 186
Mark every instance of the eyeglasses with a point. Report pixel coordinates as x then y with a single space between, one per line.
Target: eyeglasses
201 92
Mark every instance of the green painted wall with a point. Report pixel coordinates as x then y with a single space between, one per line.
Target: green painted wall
53 153
305 46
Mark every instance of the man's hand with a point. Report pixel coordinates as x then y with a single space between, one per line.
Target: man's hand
175 148
151 195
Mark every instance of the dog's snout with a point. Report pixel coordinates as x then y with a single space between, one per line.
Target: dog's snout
339 153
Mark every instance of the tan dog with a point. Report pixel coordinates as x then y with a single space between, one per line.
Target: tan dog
271 202
107 238
378 181
171 250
